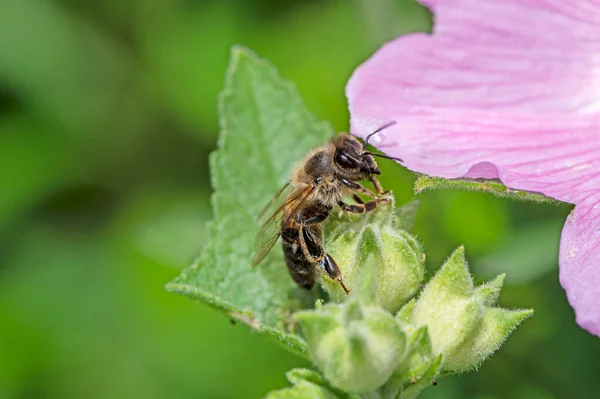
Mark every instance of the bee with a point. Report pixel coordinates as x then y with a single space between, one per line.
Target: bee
319 182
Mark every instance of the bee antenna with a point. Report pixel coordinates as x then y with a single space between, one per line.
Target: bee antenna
384 156
377 131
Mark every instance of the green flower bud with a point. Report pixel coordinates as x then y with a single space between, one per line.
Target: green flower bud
421 366
307 384
463 326
399 260
425 377
357 347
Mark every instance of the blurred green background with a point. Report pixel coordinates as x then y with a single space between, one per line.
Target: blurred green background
107 116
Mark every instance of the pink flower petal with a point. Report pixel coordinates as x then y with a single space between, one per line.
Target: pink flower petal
580 264
503 89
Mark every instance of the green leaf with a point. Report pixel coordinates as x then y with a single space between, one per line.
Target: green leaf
265 129
496 188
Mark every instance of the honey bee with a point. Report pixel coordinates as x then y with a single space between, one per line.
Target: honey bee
319 182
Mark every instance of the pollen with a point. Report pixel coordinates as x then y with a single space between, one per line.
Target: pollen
573 252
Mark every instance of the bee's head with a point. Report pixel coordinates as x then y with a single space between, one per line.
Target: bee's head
351 159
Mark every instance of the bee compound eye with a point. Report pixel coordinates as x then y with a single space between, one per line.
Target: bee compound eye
343 160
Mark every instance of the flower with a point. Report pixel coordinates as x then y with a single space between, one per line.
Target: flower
501 89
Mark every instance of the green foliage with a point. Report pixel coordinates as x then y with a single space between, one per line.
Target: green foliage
424 183
264 129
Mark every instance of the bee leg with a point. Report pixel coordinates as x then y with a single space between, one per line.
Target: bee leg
357 187
377 185
332 270
357 199
321 214
326 262
362 208
310 245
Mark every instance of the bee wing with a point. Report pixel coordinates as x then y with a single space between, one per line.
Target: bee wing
280 194
271 227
